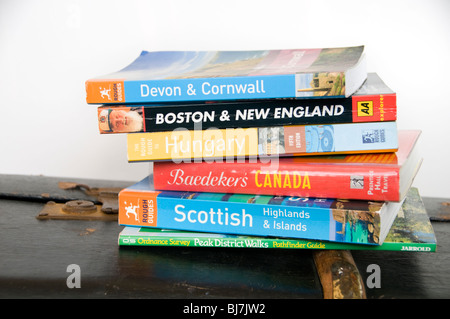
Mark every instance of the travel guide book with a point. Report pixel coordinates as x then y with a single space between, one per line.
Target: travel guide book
169 76
380 177
294 140
362 222
373 102
411 231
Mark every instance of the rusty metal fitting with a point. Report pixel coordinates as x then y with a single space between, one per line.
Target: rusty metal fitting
79 207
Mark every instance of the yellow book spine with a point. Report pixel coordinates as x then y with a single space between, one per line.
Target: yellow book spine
190 144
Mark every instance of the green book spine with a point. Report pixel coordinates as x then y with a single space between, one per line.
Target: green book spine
214 240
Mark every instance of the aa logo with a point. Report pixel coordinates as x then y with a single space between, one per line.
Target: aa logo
365 108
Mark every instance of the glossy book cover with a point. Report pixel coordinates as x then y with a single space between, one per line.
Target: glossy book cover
346 221
167 76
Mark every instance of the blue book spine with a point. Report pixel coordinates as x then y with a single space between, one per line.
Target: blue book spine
293 217
204 89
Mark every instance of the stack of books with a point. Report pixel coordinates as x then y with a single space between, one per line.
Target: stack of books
264 149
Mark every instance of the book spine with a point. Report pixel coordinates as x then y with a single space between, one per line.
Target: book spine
296 140
157 118
372 108
264 243
249 215
362 182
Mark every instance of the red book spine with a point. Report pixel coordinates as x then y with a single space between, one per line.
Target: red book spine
354 181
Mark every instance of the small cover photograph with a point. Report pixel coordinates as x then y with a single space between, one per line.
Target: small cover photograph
121 120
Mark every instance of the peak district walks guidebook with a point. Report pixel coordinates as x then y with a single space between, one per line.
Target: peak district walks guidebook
171 76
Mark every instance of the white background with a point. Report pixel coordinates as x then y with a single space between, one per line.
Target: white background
49 48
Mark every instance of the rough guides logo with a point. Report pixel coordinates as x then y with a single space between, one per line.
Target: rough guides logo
105 92
131 211
365 108
139 211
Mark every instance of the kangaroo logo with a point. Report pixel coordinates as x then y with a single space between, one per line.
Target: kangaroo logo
131 210
105 92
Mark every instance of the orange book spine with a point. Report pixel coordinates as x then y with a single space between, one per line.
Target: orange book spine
138 208
105 91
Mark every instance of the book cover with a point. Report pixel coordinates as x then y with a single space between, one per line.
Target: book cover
373 102
292 140
168 76
363 222
379 176
411 231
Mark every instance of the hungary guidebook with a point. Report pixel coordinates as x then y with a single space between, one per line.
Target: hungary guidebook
291 140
